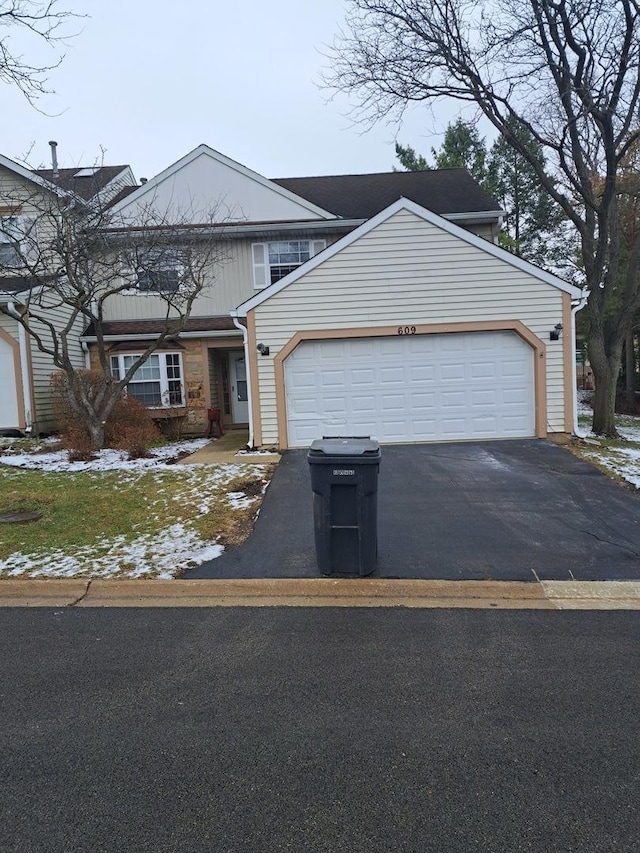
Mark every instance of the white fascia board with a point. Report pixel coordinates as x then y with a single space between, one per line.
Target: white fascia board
35 179
476 216
428 216
115 185
229 163
282 227
230 333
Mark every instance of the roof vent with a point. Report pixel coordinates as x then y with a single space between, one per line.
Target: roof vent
54 159
143 181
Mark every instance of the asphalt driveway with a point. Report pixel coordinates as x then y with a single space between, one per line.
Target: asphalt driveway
503 510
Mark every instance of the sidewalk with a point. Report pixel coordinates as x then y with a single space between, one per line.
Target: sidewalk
324 592
223 450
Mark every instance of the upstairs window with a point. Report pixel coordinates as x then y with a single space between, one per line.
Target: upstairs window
158 271
159 281
9 242
157 383
272 261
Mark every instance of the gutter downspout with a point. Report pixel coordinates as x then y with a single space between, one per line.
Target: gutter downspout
87 356
245 344
574 373
24 366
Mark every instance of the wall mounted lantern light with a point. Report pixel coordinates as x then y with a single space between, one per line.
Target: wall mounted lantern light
555 333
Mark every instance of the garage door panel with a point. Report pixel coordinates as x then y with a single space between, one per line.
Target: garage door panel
422 373
363 376
360 404
391 375
488 397
452 372
411 388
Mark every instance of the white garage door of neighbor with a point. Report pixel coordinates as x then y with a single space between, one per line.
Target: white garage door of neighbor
411 388
8 393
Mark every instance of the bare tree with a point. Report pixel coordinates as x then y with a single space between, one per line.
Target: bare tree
565 73
37 23
76 257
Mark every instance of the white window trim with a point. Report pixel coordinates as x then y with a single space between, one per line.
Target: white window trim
11 230
260 258
164 378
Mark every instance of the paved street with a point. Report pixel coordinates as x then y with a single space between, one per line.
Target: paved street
319 730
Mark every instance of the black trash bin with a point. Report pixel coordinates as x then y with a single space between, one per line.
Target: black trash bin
344 479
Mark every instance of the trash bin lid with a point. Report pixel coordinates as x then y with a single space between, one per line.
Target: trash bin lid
345 446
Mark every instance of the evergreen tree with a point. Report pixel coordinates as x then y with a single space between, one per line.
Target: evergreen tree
463 148
409 160
532 227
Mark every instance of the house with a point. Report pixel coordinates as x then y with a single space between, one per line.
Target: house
350 304
272 227
25 371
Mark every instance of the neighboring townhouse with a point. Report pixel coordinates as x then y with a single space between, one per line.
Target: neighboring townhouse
271 229
25 371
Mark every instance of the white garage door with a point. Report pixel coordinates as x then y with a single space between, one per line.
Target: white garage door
8 394
411 388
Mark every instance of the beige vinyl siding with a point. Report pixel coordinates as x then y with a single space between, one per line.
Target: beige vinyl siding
9 325
231 284
407 271
42 365
484 230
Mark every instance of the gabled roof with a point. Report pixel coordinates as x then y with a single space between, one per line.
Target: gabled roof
428 216
444 191
30 175
150 186
85 182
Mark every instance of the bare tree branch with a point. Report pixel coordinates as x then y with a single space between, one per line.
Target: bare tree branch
32 25
567 72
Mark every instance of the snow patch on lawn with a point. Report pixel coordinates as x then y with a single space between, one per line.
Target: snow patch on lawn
238 500
105 460
624 462
160 556
163 554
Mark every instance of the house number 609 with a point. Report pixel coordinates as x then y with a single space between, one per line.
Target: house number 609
406 330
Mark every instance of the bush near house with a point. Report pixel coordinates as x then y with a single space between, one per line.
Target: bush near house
129 427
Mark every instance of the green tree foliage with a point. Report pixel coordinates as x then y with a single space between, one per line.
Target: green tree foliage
463 148
409 160
533 221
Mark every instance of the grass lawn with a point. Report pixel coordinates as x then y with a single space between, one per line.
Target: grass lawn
126 523
619 458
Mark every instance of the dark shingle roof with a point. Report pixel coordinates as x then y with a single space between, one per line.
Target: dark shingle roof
125 328
86 187
16 283
442 191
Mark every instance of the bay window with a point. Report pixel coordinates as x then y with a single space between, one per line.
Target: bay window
157 383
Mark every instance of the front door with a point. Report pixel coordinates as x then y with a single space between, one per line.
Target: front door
239 396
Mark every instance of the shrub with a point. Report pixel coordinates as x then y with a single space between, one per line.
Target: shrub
129 427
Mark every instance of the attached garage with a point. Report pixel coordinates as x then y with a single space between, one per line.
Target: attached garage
409 388
411 329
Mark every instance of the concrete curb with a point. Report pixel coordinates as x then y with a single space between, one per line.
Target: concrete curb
323 592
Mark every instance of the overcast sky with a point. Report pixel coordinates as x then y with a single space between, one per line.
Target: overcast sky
148 80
